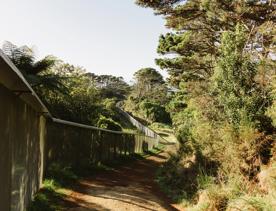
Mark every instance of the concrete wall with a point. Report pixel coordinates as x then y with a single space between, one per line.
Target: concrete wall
21 146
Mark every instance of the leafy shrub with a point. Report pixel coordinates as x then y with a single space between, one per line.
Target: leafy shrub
60 175
271 111
47 198
108 123
154 112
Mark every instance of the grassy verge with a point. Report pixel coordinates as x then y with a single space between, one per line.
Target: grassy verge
48 198
156 150
197 190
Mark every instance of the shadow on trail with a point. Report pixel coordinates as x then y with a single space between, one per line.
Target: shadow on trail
131 184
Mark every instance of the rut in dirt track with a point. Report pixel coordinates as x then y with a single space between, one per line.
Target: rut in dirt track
130 187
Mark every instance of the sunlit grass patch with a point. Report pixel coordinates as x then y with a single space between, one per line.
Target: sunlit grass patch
48 198
164 130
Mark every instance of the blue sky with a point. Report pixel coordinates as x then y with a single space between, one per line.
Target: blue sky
103 36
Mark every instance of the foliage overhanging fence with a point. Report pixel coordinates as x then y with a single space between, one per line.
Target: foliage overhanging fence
142 128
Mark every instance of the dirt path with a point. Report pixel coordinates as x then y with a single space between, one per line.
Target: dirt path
130 187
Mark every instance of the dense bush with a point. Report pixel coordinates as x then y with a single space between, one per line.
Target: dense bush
271 111
154 112
108 123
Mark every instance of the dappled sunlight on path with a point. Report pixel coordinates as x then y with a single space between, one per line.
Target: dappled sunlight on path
130 187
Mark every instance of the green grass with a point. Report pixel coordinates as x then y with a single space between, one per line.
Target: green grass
204 181
165 131
156 150
48 198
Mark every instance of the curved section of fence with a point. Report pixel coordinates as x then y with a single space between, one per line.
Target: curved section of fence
142 128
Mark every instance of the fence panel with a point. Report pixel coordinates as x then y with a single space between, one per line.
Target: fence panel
80 146
142 128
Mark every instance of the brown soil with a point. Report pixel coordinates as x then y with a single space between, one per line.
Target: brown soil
129 187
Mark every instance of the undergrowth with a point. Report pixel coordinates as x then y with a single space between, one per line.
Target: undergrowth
48 198
199 190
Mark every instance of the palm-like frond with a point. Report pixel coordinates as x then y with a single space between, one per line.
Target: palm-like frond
36 72
43 65
49 82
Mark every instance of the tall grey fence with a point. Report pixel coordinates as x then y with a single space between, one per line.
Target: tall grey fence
31 139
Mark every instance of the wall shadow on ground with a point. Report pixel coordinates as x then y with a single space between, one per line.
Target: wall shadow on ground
131 184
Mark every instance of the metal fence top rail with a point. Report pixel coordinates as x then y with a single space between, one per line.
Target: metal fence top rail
132 120
90 127
60 121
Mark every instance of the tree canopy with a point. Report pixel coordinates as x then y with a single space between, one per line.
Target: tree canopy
110 86
36 72
198 26
149 96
